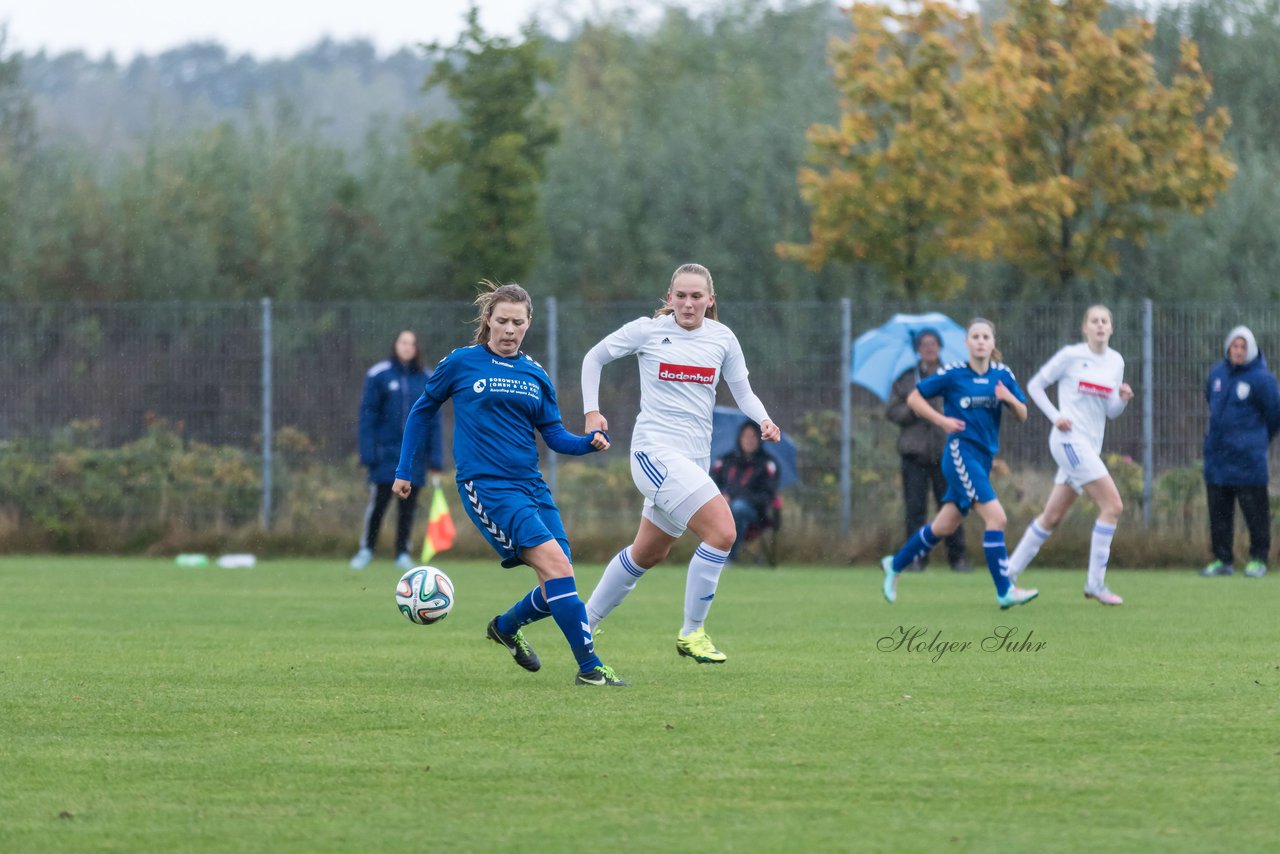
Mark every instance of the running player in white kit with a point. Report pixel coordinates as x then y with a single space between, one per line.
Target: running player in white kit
1091 389
683 353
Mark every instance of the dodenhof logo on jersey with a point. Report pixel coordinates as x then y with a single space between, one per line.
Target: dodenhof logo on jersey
478 386
686 374
979 402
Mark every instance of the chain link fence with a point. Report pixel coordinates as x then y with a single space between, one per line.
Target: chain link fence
78 377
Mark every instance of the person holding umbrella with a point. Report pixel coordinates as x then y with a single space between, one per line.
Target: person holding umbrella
974 393
920 447
882 354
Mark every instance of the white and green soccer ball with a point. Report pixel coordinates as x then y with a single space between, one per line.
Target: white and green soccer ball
424 595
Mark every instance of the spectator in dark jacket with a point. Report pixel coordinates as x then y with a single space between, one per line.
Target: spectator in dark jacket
920 446
391 387
1244 415
748 478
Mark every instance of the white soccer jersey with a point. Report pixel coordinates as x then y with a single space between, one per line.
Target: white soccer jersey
1088 390
679 372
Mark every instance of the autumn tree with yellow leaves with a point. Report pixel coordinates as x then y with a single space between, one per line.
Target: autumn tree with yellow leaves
1045 145
906 179
1097 148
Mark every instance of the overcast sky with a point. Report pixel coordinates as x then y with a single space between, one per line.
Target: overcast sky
273 28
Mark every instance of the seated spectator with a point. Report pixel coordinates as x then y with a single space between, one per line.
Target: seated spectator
748 478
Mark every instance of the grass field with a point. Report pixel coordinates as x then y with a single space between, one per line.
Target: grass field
290 707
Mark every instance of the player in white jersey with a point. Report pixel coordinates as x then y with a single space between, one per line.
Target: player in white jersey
1091 389
683 353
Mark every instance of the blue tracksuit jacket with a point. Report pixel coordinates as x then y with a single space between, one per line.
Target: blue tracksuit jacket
390 390
1244 414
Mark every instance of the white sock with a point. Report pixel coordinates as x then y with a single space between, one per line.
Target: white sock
1099 554
619 579
1028 548
700 585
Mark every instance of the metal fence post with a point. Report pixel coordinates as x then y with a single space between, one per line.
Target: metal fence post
1148 414
553 370
266 413
846 416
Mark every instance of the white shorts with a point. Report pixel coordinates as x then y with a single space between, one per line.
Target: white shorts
674 487
1078 463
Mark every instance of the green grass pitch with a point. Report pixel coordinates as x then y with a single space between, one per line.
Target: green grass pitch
290 707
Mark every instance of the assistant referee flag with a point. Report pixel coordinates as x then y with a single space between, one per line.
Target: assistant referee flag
440 530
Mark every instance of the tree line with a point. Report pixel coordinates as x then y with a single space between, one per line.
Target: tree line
625 149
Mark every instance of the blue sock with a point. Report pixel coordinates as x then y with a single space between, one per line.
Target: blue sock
997 559
920 544
571 616
529 609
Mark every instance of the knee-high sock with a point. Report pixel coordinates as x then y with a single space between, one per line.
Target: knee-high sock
1028 547
919 545
700 585
619 579
997 560
1099 554
571 616
529 609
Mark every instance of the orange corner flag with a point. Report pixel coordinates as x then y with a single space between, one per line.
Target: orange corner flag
440 530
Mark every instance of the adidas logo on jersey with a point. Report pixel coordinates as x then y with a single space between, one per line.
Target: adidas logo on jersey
666 340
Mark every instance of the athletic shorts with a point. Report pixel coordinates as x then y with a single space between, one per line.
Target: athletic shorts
968 473
674 487
513 515
1078 462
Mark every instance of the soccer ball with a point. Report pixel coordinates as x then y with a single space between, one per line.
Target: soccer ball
424 595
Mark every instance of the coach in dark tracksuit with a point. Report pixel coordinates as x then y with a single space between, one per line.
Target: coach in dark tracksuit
1244 415
391 387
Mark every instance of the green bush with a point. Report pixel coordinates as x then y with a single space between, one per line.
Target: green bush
163 493
67 493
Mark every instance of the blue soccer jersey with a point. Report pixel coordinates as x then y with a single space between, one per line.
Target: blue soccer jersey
497 404
971 397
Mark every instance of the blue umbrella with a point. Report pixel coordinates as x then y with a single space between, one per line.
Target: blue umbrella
880 355
726 422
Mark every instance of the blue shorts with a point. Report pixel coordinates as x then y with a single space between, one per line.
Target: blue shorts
968 472
514 515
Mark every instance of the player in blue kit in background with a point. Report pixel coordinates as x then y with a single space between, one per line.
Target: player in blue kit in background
973 395
500 397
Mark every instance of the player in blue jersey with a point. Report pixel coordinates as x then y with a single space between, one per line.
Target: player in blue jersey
500 398
974 393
